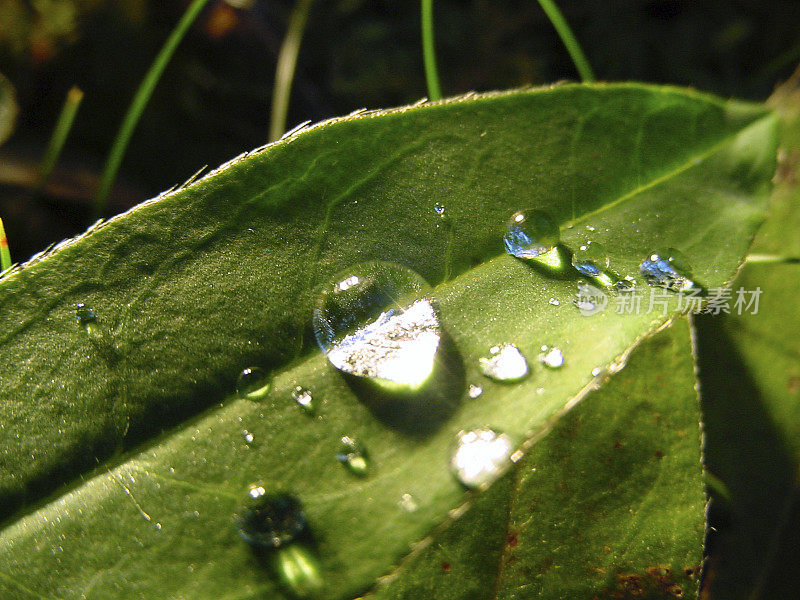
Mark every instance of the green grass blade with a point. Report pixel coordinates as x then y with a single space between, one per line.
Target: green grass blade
429 52
60 133
284 72
139 102
5 255
566 35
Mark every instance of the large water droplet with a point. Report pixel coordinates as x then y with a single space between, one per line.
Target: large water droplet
353 456
370 323
303 398
668 269
253 383
552 358
531 234
270 520
481 456
505 363
591 259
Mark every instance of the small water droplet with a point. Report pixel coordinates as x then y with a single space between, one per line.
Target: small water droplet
369 323
86 318
248 437
596 371
505 363
253 383
552 357
668 269
530 234
590 227
555 302
407 503
480 456
270 520
591 259
303 398
353 456
438 209
474 391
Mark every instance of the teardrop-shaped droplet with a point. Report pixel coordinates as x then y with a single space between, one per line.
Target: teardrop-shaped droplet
504 363
480 456
552 358
303 398
253 383
86 318
353 456
270 520
591 259
668 269
530 234
474 391
370 322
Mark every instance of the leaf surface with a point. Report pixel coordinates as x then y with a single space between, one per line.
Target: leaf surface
608 505
220 275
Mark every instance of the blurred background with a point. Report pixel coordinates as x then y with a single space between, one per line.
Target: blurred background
213 101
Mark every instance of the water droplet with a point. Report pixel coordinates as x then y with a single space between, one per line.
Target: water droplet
668 269
370 324
298 569
480 456
626 284
590 300
303 398
353 456
438 209
554 302
531 234
253 383
407 503
270 520
505 363
474 391
596 371
590 227
248 437
591 259
552 357
86 318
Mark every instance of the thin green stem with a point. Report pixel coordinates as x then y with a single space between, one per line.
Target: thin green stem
566 35
5 255
429 52
139 103
60 133
284 72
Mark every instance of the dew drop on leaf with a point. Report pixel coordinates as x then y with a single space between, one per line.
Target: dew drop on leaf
370 322
504 363
591 259
474 391
248 437
86 318
303 398
668 269
480 456
270 520
253 383
552 358
353 456
530 234
554 302
438 209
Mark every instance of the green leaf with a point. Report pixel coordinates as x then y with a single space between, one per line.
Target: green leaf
749 367
220 275
609 502
8 109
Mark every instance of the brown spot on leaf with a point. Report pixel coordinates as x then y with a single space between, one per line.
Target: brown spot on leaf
445 566
511 539
659 454
793 385
618 445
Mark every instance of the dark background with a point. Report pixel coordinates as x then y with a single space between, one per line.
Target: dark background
213 100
